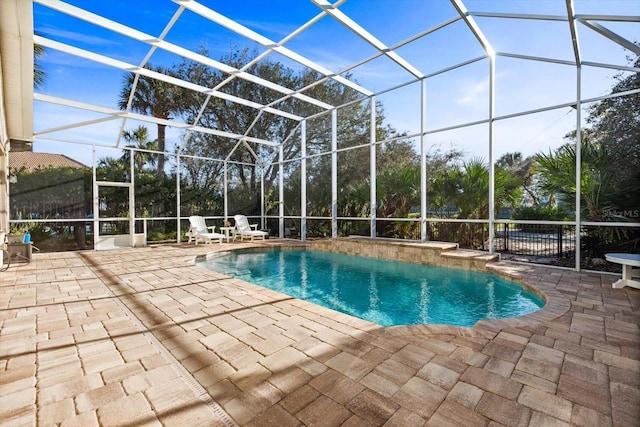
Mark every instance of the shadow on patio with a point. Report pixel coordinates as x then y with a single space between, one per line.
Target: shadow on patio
143 336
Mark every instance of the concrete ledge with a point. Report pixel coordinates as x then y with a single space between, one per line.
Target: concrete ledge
441 254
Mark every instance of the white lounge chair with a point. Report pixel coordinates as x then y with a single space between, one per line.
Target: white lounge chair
200 232
243 229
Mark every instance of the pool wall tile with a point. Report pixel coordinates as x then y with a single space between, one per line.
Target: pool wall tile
440 254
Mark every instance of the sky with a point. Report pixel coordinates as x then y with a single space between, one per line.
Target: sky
453 98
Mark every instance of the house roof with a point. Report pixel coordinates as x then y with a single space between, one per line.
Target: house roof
30 161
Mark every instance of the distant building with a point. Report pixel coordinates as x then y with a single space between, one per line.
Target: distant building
48 186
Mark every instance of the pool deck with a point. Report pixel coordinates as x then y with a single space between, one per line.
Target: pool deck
143 337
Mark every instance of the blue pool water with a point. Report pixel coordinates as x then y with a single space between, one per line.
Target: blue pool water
388 293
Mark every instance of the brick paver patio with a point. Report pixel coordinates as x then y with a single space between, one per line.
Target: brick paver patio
143 337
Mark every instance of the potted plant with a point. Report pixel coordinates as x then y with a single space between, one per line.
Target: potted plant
16 236
18 232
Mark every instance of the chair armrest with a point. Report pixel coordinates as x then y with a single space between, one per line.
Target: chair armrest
254 227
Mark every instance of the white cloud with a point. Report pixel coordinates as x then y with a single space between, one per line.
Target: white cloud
77 37
473 94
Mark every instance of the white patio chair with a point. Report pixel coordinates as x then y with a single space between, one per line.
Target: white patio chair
200 232
243 229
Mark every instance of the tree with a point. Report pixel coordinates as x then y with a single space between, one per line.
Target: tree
39 75
51 192
472 188
398 190
557 171
153 97
231 117
463 185
460 189
201 172
139 140
522 169
615 126
440 165
150 190
112 169
353 125
610 158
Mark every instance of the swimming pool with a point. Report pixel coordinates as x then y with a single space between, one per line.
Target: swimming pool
389 293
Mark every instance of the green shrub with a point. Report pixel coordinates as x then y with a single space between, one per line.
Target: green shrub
544 213
38 231
155 236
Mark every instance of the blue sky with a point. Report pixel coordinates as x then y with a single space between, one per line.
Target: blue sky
456 97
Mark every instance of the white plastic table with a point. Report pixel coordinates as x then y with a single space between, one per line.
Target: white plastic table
229 233
628 261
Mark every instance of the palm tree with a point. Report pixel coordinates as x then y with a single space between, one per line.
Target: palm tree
558 177
153 97
39 76
111 169
398 190
466 186
139 139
